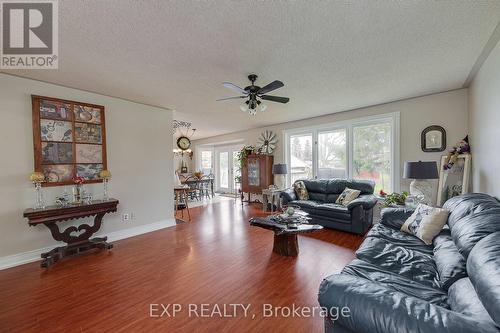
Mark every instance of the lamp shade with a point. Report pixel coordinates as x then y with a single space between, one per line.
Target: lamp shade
280 169
421 170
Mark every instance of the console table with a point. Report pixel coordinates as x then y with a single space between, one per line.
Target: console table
77 238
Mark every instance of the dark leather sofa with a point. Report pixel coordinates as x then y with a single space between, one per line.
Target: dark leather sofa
357 217
398 284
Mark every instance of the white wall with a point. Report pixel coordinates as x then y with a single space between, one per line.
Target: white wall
447 109
139 141
484 118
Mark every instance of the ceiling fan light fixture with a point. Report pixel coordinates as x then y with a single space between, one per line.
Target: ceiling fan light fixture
263 107
244 107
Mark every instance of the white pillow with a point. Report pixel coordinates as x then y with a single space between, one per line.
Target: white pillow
426 222
347 196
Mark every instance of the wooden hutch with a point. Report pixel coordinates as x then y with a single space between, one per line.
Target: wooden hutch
256 174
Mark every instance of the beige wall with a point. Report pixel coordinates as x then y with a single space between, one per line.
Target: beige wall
447 109
484 118
139 141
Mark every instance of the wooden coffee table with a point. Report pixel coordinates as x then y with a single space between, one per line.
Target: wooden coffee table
285 236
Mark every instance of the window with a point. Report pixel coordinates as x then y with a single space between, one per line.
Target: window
332 154
372 154
224 170
206 162
301 160
361 148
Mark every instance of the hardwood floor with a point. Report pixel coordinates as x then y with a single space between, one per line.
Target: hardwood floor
218 258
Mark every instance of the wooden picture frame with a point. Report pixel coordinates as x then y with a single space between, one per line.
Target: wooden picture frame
69 139
455 181
433 139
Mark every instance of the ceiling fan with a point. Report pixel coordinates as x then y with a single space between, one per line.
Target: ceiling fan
255 95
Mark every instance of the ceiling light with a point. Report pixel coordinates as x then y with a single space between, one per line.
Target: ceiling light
244 107
263 107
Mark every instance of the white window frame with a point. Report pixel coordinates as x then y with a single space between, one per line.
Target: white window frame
348 125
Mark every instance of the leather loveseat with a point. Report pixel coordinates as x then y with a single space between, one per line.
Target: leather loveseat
398 284
356 217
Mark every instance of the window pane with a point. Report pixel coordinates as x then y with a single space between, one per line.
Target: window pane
372 154
301 156
332 161
224 170
206 162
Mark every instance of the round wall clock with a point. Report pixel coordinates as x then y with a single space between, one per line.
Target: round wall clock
267 142
183 143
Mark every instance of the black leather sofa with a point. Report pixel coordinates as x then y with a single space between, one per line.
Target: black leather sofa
398 284
357 217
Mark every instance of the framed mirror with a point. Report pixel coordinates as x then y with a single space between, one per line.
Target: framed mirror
433 139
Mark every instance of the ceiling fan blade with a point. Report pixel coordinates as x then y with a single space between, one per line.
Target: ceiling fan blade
225 99
275 98
270 87
234 87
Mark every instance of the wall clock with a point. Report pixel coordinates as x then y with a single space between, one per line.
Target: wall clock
267 142
183 143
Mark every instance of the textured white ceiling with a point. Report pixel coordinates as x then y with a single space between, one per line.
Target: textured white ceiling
331 55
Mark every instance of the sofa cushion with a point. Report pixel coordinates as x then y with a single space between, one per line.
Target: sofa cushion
395 217
397 237
464 205
336 186
347 195
316 185
333 210
301 190
449 262
426 222
320 197
462 298
470 229
411 264
483 267
306 204
396 282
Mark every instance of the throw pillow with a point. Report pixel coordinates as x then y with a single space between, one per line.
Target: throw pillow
426 222
301 190
347 196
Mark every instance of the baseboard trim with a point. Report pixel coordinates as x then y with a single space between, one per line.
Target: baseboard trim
34 255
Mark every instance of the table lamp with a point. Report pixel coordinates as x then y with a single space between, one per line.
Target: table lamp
421 173
280 171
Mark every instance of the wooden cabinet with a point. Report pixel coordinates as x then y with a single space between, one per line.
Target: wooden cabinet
257 174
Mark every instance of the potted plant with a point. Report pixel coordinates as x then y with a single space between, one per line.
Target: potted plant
243 154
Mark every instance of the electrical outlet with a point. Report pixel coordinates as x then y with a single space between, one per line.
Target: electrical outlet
126 217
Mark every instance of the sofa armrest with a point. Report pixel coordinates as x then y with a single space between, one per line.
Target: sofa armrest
288 195
375 308
395 217
368 201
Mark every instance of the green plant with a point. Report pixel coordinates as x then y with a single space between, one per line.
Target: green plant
395 199
243 154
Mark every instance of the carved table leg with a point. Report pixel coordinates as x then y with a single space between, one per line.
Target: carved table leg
286 245
76 244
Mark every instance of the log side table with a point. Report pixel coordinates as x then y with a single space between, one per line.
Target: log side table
77 238
285 238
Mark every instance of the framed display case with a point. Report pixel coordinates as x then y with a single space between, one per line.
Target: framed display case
69 140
